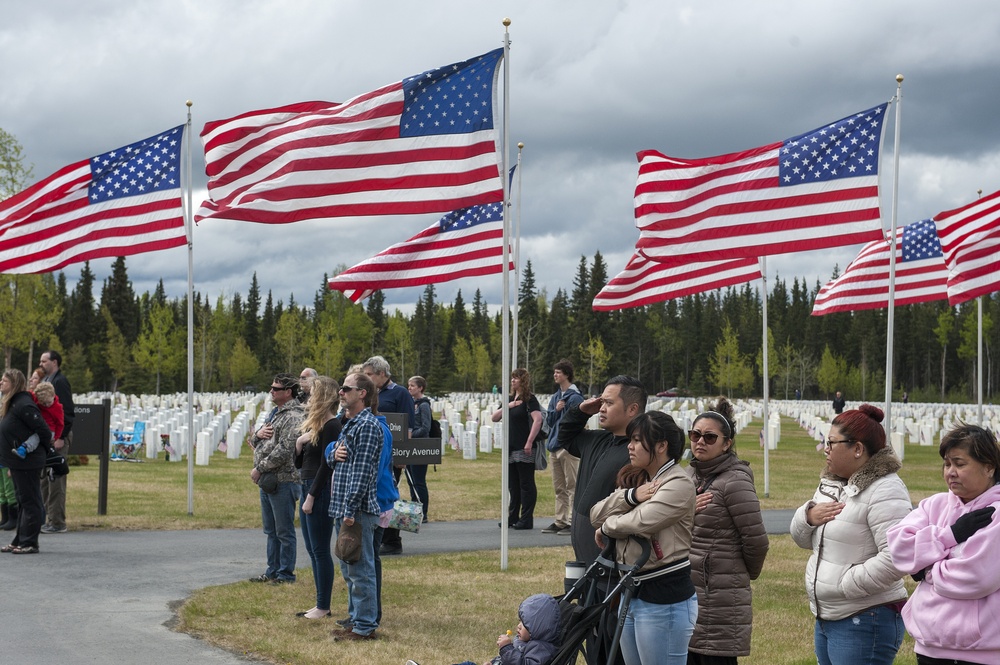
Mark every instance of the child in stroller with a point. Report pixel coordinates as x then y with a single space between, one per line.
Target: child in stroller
537 635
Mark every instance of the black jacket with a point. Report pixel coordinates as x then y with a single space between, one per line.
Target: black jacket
22 420
61 385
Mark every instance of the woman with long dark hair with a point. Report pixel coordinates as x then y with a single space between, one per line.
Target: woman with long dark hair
522 436
655 501
19 419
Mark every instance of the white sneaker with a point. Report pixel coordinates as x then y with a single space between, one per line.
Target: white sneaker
412 662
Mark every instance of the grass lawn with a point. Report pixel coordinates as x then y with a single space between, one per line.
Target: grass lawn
444 608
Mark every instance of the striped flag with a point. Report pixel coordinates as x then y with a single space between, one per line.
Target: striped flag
970 239
815 190
921 274
424 144
464 243
122 202
645 281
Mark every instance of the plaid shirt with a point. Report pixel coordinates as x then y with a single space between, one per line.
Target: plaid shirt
354 480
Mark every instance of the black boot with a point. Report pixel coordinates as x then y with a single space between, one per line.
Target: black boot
11 522
4 515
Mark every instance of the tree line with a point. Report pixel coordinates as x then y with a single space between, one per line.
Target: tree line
703 344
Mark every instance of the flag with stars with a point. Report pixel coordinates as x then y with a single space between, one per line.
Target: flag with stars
426 144
970 239
921 274
123 202
464 243
812 191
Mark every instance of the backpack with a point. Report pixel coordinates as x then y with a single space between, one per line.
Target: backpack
435 430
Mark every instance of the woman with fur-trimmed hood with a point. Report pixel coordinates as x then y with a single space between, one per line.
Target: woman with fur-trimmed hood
855 591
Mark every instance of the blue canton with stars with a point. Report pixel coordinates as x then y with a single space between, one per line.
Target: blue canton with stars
146 166
920 241
456 99
465 218
843 149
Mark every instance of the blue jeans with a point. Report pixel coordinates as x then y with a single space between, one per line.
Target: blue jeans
317 532
362 596
376 544
277 512
657 634
871 637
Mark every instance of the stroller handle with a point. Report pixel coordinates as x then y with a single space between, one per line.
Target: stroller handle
608 553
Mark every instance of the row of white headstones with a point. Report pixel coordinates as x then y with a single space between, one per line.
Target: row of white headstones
466 420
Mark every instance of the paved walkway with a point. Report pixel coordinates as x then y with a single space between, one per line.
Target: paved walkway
106 596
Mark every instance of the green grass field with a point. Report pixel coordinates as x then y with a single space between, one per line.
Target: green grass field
445 608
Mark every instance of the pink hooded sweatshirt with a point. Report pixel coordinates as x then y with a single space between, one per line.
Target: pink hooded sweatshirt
954 612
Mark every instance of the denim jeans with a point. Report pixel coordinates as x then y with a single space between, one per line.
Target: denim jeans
657 634
317 533
362 600
278 515
871 637
376 544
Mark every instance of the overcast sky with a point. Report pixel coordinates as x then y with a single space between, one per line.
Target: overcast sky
591 83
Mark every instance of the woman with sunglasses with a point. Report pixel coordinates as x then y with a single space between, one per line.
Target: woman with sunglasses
855 591
729 542
655 501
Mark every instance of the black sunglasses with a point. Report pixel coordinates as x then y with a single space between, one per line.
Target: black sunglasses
709 437
347 389
273 388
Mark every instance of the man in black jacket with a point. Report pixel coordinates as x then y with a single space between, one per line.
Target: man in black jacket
54 489
602 452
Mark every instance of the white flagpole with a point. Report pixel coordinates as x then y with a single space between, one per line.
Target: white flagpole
979 357
765 429
887 423
188 227
517 258
505 311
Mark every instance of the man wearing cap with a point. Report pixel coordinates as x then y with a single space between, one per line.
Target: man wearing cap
275 473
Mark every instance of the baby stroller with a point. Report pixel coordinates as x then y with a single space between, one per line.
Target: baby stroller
593 610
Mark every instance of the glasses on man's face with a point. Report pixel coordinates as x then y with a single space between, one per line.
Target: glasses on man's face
709 437
346 389
829 442
277 388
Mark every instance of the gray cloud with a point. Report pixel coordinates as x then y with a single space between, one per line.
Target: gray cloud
592 82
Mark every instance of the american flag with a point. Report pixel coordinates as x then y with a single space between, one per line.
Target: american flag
970 239
424 144
921 274
815 190
644 281
122 202
464 243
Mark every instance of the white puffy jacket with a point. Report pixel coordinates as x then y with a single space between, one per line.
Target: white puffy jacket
850 568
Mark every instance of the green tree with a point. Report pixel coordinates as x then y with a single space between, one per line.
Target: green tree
15 174
160 347
326 352
118 357
243 366
729 369
832 374
594 360
399 348
288 337
942 332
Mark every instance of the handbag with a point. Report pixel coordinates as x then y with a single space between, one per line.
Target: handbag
407 515
268 482
348 546
56 463
541 460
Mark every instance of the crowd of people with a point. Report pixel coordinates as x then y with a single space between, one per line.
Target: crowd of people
326 448
36 419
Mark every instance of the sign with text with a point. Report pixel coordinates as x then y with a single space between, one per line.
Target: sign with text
399 424
416 451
